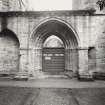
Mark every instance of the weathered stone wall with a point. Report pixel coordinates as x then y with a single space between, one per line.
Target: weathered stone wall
31 57
98 36
86 4
90 31
20 26
9 53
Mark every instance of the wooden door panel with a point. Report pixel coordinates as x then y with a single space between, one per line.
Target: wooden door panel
53 60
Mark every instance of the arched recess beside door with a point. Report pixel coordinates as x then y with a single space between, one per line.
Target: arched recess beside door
9 52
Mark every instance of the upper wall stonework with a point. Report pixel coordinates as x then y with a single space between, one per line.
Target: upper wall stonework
86 4
89 28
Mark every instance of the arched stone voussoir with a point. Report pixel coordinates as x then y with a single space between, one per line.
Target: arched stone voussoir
57 27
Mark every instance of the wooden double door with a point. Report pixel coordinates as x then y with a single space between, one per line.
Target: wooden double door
53 59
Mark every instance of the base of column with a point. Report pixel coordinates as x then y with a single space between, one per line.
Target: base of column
83 73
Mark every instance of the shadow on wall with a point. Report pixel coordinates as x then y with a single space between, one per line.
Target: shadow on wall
92 59
9 52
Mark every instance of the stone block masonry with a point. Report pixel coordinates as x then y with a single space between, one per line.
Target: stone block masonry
81 31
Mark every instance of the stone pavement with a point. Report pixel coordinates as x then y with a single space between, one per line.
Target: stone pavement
52 92
54 97
53 83
51 96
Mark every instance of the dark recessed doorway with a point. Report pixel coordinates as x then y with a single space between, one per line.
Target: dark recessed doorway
53 59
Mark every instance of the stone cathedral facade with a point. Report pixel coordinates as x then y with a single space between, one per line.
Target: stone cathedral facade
37 42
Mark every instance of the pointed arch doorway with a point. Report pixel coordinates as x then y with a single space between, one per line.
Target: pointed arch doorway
69 42
53 55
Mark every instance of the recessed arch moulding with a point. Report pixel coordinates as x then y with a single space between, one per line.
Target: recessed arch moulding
62 30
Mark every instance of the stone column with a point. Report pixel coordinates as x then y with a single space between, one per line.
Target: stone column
83 61
37 59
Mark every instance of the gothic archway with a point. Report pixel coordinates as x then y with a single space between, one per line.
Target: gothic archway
65 33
